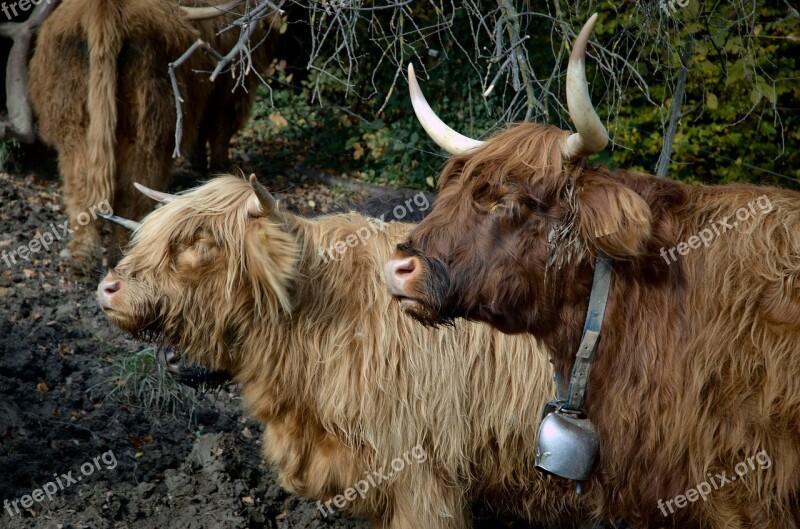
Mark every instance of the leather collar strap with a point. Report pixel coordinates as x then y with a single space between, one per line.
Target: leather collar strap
598 299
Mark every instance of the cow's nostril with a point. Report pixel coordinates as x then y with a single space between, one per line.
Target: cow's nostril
106 291
111 287
406 267
400 274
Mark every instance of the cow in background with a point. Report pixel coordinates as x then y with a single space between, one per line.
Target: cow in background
101 93
343 382
693 387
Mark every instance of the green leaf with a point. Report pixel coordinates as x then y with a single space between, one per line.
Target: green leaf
768 129
711 102
735 72
768 90
692 10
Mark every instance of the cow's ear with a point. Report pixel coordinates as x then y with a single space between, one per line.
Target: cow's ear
611 216
271 260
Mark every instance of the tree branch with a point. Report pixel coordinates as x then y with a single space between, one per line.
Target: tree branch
675 113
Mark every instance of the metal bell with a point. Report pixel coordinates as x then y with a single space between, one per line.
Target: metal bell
567 443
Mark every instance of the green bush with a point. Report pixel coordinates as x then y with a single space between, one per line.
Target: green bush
741 92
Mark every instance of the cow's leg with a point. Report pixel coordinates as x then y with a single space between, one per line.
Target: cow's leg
411 520
83 248
315 463
198 153
219 143
226 119
401 521
423 500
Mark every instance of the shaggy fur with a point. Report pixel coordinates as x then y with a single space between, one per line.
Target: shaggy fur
343 382
697 365
101 93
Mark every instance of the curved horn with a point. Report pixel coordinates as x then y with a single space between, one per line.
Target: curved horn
591 135
125 223
264 203
445 137
158 196
203 13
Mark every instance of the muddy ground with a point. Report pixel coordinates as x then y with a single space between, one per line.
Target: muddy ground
197 466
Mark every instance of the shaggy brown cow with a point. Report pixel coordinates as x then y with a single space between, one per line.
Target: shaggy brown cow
343 382
100 90
694 387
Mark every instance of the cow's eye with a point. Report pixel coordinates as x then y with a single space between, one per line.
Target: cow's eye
195 253
535 205
505 205
487 194
499 207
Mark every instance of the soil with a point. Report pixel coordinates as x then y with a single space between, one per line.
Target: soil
132 467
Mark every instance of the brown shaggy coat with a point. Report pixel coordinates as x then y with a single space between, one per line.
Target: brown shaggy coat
101 92
697 367
343 382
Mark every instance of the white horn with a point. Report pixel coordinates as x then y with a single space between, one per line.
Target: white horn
263 204
445 137
125 223
591 135
158 196
203 13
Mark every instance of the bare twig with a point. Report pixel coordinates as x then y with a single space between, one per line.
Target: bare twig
199 44
676 113
493 43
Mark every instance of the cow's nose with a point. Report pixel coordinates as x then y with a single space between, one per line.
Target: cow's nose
399 272
106 291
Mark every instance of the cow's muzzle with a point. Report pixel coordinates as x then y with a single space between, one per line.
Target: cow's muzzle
107 291
400 274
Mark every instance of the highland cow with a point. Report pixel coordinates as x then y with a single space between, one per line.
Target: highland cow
695 374
343 382
101 92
